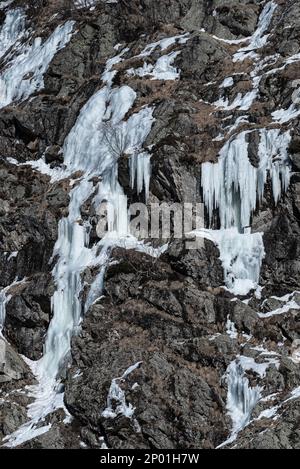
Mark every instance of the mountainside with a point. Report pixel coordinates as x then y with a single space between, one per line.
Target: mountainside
138 340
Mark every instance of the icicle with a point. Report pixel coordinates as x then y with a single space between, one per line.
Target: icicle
140 172
233 186
274 159
230 185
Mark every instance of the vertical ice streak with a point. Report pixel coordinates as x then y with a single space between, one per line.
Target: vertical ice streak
230 185
274 160
4 299
234 186
140 172
241 399
241 256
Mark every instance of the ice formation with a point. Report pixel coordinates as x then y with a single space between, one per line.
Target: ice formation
163 68
5 4
234 186
288 303
140 172
86 149
116 399
230 185
12 29
164 44
285 115
240 102
227 83
241 397
4 299
259 38
23 75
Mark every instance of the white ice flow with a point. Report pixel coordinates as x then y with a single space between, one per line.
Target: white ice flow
116 399
163 44
260 37
5 4
285 115
241 397
234 187
24 74
87 150
258 40
12 29
240 102
4 299
241 255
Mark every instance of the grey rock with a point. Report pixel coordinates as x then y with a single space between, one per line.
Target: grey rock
12 367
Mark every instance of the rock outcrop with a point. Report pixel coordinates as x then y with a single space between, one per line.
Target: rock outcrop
155 353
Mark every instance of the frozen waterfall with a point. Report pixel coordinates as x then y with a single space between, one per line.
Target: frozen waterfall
241 399
241 255
23 74
86 149
12 29
230 185
92 148
4 299
260 37
234 187
241 396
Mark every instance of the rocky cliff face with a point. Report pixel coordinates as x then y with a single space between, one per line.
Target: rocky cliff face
130 344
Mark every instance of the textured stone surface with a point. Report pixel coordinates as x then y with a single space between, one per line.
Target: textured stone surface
171 314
